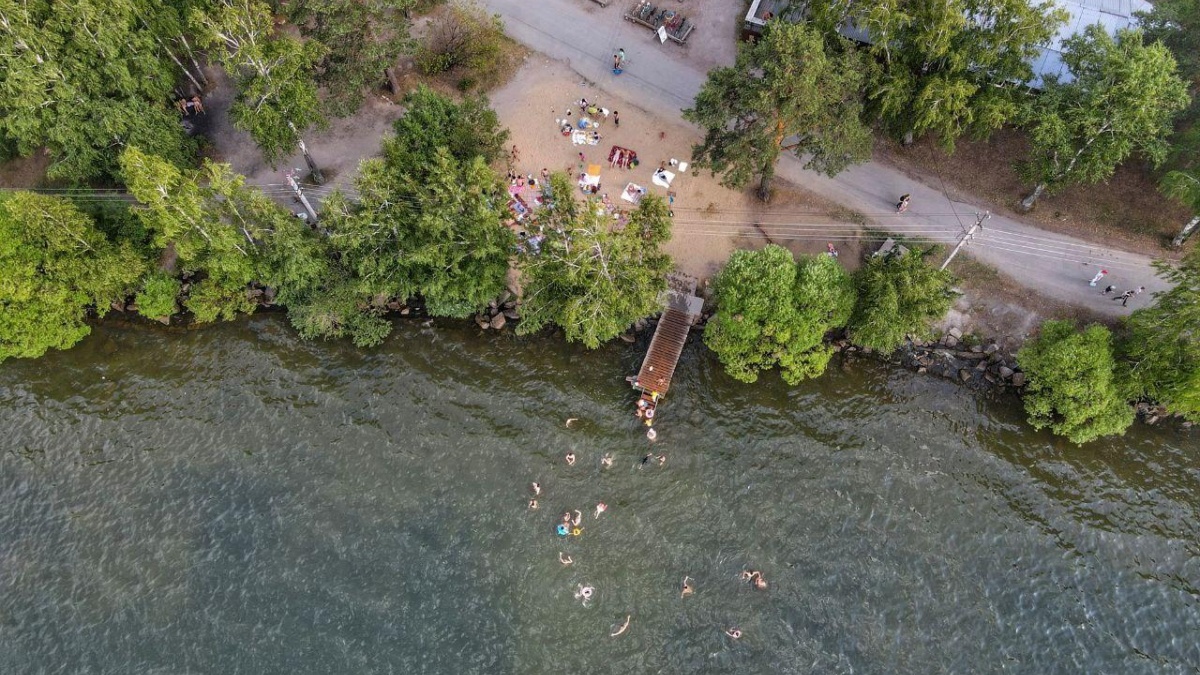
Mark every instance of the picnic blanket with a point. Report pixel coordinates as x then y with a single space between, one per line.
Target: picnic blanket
621 157
592 177
633 193
583 138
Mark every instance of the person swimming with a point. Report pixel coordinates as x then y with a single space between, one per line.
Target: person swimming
564 559
567 517
607 460
578 518
686 589
662 459
533 503
747 575
570 459
734 633
758 580
601 508
537 488
584 593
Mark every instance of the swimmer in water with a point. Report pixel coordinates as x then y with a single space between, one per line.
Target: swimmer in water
662 459
734 633
578 518
747 575
564 559
566 517
686 589
584 593
570 459
601 508
537 488
759 581
606 460
533 503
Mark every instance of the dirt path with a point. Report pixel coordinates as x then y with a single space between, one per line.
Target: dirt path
662 79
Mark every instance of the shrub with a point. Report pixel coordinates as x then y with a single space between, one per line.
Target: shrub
158 296
463 37
899 295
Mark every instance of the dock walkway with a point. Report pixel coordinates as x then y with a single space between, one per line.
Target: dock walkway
667 344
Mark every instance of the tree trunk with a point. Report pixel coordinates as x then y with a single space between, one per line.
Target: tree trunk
1029 201
314 171
1187 230
192 55
764 189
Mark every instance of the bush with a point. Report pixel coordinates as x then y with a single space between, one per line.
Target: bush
463 37
158 296
1071 387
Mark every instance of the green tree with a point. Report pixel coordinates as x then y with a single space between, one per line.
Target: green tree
1184 187
590 279
1122 99
83 79
274 75
773 311
363 37
898 295
210 222
946 67
54 266
463 38
1071 385
1161 352
467 129
1176 24
783 93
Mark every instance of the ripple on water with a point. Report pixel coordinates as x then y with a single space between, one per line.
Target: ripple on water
233 500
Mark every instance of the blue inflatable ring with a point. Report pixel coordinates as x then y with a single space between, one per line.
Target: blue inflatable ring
562 530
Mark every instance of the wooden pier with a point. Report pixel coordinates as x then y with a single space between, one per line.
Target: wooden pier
654 378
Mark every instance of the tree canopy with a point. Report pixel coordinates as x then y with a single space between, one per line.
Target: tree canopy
466 129
898 295
54 266
773 311
84 77
946 67
274 73
1071 388
588 277
362 39
1162 348
784 92
1122 100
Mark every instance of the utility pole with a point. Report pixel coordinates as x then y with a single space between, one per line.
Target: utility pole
313 170
966 237
291 179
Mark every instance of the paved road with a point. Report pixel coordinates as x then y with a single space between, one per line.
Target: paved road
661 80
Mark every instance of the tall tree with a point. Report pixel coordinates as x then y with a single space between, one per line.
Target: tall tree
898 295
783 93
1121 100
1184 187
773 311
54 266
364 38
274 74
83 79
1071 385
946 67
467 129
589 278
210 221
1161 352
1176 23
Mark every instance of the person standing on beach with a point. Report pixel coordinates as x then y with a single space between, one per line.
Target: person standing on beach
616 119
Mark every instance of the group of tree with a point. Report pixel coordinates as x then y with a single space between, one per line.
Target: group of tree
86 79
940 67
1082 381
775 311
427 220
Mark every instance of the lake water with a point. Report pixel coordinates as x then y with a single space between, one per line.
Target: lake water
234 500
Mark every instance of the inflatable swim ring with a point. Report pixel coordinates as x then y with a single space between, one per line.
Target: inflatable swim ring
577 531
562 530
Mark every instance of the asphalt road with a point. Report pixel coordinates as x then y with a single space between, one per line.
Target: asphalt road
662 80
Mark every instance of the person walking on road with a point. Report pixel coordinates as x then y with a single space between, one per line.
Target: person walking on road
1108 289
1099 275
902 205
1124 297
